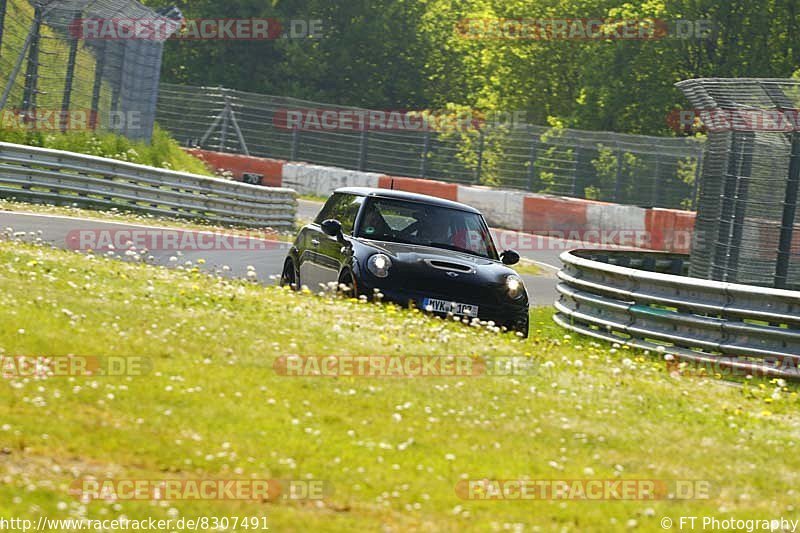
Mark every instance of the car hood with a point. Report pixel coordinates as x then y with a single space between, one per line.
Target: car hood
411 252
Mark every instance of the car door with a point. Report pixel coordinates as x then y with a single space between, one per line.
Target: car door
323 256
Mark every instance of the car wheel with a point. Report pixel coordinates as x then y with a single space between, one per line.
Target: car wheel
347 284
522 327
290 276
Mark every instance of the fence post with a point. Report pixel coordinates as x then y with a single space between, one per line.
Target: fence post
727 205
73 52
295 144
32 69
479 166
618 181
223 137
17 66
426 148
740 205
98 81
656 184
2 21
788 218
698 175
532 161
362 150
238 130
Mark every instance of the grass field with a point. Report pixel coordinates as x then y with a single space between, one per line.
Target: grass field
393 450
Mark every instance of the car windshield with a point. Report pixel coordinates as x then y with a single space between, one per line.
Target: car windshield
426 225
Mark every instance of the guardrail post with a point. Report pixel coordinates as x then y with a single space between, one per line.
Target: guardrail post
362 149
99 67
479 166
32 69
789 213
73 52
426 148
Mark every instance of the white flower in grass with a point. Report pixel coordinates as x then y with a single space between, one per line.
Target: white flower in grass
449 457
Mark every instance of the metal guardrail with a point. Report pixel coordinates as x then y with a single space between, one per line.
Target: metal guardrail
627 297
56 176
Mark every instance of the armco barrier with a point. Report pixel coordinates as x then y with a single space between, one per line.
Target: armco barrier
55 176
666 229
726 328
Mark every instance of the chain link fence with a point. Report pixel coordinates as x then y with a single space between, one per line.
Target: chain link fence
53 76
627 169
747 221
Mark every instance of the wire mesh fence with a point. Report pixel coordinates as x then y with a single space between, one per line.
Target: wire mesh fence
53 75
747 221
628 169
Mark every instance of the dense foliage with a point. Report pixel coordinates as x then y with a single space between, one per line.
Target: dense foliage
410 54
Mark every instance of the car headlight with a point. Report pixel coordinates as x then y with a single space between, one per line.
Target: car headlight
379 265
514 286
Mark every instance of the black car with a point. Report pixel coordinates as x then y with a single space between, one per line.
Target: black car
416 250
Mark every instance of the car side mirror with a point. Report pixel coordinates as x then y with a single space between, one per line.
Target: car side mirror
509 257
331 227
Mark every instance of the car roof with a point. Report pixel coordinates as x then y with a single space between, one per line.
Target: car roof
403 195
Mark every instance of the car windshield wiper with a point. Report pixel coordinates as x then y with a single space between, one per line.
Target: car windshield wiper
455 249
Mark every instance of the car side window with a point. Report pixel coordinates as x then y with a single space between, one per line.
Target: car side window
342 207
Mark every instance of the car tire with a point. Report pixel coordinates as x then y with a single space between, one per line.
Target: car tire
290 275
522 326
346 278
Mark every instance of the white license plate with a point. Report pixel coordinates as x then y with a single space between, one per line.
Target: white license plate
443 306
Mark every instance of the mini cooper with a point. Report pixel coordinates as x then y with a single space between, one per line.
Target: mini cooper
416 250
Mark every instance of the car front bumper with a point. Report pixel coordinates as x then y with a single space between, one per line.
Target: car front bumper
511 314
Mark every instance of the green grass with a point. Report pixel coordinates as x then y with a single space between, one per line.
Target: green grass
162 152
393 449
528 267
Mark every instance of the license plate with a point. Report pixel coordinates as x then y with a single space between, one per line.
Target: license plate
443 306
